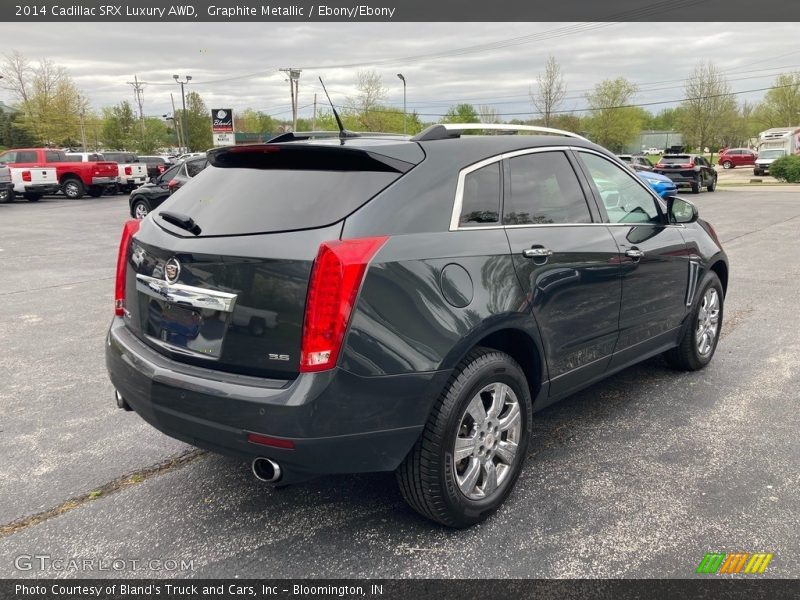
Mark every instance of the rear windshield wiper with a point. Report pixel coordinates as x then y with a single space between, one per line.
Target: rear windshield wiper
180 220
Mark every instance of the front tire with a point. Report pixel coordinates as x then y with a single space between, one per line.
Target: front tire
95 191
140 209
473 446
700 338
713 185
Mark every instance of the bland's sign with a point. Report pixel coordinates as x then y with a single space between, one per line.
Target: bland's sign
222 120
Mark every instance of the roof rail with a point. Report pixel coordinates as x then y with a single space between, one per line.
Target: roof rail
296 136
443 131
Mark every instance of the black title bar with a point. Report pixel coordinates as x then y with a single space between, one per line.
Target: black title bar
675 11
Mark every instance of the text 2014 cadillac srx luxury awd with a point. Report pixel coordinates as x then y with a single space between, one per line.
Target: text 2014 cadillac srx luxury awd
343 304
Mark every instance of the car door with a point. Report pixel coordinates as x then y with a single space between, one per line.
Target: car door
567 265
655 265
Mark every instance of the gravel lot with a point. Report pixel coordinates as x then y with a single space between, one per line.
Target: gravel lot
638 476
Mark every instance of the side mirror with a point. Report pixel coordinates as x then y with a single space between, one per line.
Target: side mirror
681 211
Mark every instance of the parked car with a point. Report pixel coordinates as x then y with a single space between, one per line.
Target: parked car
152 194
189 155
156 165
651 152
425 296
132 172
6 185
766 158
736 157
32 183
661 184
637 163
688 170
76 178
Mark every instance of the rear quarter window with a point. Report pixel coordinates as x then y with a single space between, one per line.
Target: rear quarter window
480 199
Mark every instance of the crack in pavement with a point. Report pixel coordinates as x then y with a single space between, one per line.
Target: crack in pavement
58 285
112 487
761 229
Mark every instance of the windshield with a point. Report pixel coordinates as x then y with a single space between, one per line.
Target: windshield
771 153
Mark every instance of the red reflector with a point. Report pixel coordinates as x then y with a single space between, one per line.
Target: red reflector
128 170
26 176
128 231
266 440
335 280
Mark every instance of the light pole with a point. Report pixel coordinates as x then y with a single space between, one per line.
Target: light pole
403 79
183 101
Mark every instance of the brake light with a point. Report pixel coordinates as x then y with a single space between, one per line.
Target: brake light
335 280
26 176
128 170
161 169
173 183
659 165
128 231
688 165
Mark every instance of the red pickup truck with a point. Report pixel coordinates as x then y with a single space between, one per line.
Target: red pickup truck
75 178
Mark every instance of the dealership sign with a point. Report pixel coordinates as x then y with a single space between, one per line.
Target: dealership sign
224 139
222 120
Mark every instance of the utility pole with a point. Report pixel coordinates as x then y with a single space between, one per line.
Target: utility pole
403 79
294 89
138 93
175 123
314 121
83 133
184 118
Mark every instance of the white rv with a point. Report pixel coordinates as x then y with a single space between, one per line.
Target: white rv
774 144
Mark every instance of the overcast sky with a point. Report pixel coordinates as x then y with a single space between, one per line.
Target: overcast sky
657 56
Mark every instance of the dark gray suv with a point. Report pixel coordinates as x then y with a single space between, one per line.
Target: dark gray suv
391 304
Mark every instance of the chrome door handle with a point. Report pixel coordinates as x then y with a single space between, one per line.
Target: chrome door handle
537 252
634 253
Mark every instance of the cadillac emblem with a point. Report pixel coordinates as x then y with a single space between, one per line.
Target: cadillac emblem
172 270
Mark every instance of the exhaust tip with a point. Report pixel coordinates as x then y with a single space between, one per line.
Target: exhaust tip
121 401
266 470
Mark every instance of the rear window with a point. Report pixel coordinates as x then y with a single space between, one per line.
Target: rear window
679 159
280 190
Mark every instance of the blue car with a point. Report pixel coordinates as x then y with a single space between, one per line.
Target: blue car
662 184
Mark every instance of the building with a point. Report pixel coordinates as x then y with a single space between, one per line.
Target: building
654 139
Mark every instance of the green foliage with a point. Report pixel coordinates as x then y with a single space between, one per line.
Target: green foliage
786 169
13 135
252 121
611 122
199 123
461 113
709 115
781 105
118 126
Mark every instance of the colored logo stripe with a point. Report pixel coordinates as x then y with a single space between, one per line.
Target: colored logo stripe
719 562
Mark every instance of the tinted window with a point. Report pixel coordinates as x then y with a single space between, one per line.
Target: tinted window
169 173
481 199
8 157
228 201
626 159
50 156
74 158
678 159
544 189
193 167
626 201
25 156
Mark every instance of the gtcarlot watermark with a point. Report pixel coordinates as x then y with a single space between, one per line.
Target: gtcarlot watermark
46 562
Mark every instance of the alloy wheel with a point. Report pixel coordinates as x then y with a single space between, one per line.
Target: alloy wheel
707 322
140 210
487 441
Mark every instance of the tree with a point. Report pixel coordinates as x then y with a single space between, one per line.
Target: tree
49 101
781 104
119 126
612 122
488 114
199 123
253 121
461 113
550 91
709 107
366 106
12 135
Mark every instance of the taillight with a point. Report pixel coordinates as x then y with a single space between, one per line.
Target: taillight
335 280
26 176
173 183
659 166
128 231
128 170
688 165
161 169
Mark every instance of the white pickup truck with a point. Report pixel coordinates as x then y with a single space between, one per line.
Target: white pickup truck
31 182
132 173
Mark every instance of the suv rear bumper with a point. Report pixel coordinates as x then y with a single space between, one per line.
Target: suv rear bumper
337 421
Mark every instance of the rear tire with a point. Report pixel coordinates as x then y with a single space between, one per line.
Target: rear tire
697 346
484 415
73 188
140 209
696 186
713 185
96 191
6 196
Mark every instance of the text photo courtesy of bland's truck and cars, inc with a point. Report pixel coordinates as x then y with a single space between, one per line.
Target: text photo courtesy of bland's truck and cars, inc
236 11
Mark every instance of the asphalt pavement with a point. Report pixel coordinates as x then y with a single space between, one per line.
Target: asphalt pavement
637 476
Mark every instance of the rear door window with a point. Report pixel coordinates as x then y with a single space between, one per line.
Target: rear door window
544 189
51 156
26 156
480 203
